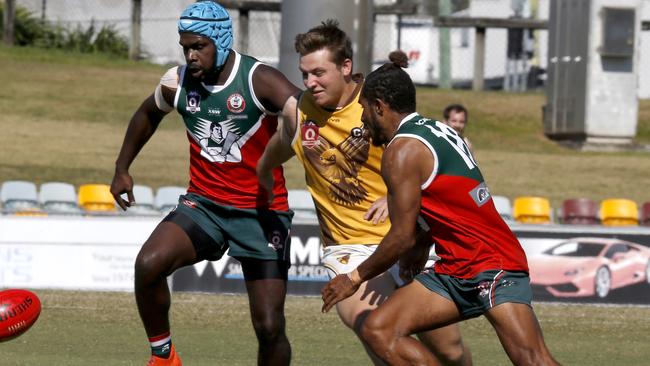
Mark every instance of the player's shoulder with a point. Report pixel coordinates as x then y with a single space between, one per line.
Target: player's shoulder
171 77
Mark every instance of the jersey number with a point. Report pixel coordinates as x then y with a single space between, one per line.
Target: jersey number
442 130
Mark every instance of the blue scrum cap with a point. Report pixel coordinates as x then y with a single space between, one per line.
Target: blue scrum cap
211 20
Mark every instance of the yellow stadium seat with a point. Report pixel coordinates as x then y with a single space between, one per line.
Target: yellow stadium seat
532 210
96 198
619 212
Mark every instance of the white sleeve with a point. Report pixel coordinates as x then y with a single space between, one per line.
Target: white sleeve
169 80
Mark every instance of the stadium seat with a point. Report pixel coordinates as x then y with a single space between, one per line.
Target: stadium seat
20 198
645 214
144 202
580 211
619 212
59 198
167 197
532 210
96 198
302 204
504 207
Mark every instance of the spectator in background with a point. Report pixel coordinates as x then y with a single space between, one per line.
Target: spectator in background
455 116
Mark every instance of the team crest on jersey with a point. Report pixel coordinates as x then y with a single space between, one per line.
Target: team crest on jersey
480 194
235 103
309 133
193 101
275 240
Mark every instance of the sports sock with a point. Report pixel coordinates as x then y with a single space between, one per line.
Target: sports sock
161 345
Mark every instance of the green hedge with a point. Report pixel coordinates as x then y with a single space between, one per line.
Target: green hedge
30 30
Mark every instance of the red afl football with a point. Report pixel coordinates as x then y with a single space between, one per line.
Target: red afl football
19 310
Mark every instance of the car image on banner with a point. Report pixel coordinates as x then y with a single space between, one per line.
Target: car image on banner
589 267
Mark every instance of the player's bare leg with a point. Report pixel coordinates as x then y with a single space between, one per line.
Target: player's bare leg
167 249
520 334
448 346
354 310
266 300
388 329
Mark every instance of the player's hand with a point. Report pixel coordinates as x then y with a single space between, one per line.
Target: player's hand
339 288
267 182
378 211
412 262
122 184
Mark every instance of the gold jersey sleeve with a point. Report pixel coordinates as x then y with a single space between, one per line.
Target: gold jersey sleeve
342 171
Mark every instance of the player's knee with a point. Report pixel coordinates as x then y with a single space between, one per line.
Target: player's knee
453 354
375 333
269 329
147 268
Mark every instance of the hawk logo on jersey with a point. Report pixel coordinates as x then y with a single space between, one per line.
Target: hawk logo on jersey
309 134
219 141
236 103
340 165
193 101
480 194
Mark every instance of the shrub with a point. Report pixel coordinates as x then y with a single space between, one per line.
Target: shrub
32 31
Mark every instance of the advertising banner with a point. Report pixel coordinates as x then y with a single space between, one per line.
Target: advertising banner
567 264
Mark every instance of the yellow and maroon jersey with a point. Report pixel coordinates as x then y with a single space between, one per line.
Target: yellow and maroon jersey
469 233
228 129
342 170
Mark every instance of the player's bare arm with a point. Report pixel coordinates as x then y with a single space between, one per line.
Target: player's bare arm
142 126
273 87
414 259
400 160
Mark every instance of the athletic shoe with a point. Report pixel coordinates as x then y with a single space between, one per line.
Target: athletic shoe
173 360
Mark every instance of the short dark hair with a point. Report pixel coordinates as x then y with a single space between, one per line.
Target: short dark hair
454 108
392 84
326 35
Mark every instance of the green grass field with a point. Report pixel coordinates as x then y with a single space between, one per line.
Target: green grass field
82 328
63 119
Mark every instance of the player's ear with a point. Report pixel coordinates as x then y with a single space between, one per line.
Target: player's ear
346 67
380 106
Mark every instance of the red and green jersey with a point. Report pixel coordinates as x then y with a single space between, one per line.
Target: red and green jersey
469 234
228 129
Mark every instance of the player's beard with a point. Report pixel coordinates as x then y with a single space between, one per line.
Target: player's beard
375 137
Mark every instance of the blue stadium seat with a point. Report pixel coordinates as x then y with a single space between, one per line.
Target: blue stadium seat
59 198
144 202
167 197
20 198
504 207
